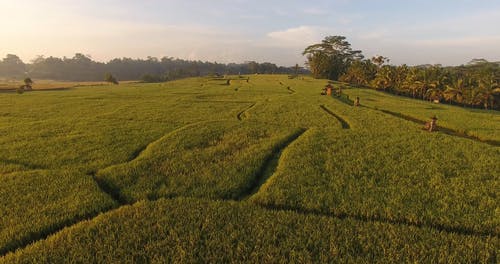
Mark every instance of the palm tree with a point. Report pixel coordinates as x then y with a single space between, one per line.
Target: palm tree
473 96
427 82
489 89
456 91
384 78
434 93
410 83
400 74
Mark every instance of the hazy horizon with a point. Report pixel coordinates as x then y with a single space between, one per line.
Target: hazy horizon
423 32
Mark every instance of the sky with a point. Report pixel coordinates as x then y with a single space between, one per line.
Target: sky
448 32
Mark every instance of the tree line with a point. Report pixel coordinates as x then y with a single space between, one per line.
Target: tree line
83 68
476 84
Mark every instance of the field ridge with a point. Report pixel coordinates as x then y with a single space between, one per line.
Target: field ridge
343 122
270 165
240 114
279 148
108 189
34 237
140 151
23 164
373 219
278 208
444 130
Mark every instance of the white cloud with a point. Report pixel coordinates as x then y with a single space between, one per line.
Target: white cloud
477 42
298 36
373 35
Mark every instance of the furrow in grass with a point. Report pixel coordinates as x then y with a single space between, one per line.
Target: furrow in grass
240 114
54 230
22 164
344 99
199 231
300 211
342 121
113 191
140 151
444 130
270 165
374 219
218 101
37 204
109 190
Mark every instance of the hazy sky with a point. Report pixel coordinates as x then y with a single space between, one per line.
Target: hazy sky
449 32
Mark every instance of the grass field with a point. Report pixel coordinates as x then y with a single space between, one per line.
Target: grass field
12 85
267 170
483 124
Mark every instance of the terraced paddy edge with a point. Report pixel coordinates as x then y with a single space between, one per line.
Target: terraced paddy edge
242 114
35 204
142 150
22 164
214 161
344 99
270 165
345 124
481 123
356 175
200 231
111 189
444 130
381 220
106 188
53 231
463 171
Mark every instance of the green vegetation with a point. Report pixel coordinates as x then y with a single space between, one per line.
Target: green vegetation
482 124
263 169
371 176
82 67
12 84
108 77
37 203
210 159
476 84
331 58
189 231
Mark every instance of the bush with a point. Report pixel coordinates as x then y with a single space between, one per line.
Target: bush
20 90
151 78
110 78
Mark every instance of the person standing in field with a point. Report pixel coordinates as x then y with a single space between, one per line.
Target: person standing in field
356 102
431 125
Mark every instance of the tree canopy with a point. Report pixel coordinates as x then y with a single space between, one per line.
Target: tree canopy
473 85
476 84
331 58
82 67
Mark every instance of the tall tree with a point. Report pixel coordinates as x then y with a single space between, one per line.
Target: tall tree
489 91
360 72
379 60
331 58
384 78
12 66
456 91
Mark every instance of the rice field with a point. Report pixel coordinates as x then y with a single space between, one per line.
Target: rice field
260 168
